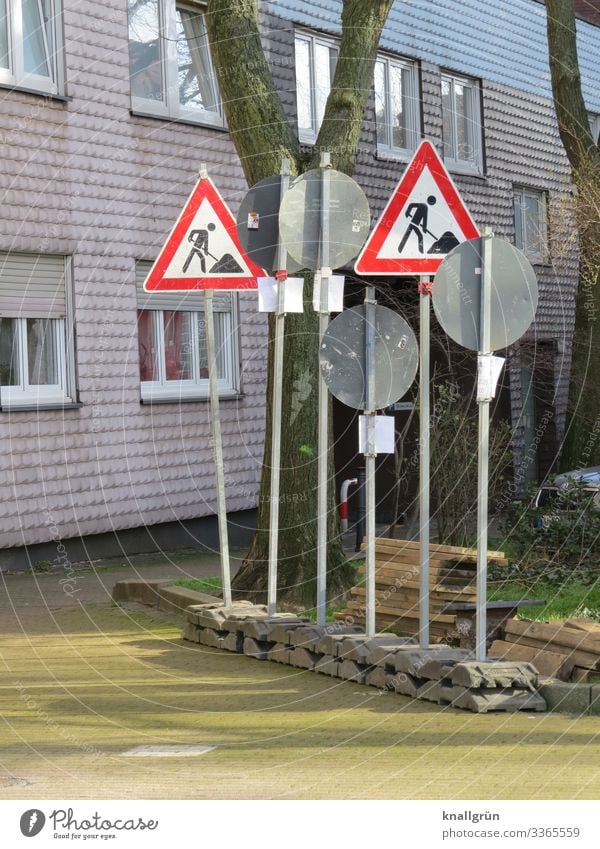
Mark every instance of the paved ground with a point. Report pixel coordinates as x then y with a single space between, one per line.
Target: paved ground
84 682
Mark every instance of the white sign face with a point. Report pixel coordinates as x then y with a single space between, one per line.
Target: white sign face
425 225
207 249
385 435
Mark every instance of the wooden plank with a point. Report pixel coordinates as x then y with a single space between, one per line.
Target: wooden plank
435 548
407 559
554 633
439 568
407 614
393 574
580 658
550 664
587 625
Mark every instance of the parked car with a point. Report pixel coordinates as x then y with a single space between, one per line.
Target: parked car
564 495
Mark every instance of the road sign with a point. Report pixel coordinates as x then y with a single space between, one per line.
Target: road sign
258 224
513 295
424 219
343 358
203 250
302 214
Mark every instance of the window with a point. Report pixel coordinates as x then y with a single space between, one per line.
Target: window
396 107
29 44
35 367
316 58
461 117
172 343
531 232
171 70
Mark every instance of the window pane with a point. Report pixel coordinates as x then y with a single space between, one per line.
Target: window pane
147 345
399 90
533 224
380 104
197 86
178 345
144 50
324 62
42 356
222 344
9 353
518 221
4 59
303 86
463 98
35 38
201 342
447 109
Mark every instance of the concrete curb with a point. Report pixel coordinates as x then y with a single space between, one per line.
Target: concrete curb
162 595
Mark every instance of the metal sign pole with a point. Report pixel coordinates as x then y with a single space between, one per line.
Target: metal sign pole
483 457
424 417
323 446
277 407
370 304
218 445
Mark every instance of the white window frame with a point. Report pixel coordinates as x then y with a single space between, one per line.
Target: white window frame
196 387
455 163
520 193
15 75
305 136
26 393
389 150
595 126
170 107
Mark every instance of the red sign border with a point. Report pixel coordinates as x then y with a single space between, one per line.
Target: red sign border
426 156
156 281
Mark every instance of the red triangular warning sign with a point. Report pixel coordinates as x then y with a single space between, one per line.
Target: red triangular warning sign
424 219
203 250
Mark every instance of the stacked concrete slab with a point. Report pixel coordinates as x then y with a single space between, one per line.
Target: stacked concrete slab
442 675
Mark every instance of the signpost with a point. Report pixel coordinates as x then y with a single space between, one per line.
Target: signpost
203 252
369 359
485 297
324 220
423 220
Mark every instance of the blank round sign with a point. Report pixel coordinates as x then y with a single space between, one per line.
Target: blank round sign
457 293
342 357
300 219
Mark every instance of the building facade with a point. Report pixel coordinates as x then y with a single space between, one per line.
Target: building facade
107 112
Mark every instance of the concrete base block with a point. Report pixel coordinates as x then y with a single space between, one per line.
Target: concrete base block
234 641
484 700
214 615
564 697
303 658
360 648
405 684
430 691
306 637
280 631
214 639
496 673
595 699
379 678
334 637
328 665
350 670
258 649
438 670
279 653
412 660
191 633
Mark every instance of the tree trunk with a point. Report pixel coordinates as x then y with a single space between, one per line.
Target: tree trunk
262 137
582 441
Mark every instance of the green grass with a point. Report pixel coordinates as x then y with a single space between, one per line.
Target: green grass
210 585
564 601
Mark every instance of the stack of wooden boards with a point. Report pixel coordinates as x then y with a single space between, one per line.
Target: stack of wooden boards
452 574
567 649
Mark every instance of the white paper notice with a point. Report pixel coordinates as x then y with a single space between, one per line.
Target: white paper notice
384 434
335 292
488 372
292 295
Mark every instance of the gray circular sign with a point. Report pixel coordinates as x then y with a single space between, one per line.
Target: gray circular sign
342 357
258 224
457 291
300 219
